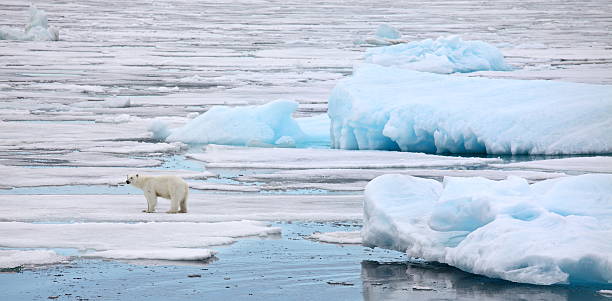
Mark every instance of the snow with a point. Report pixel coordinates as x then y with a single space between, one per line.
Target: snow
396 109
500 229
220 156
16 258
444 55
37 28
338 237
162 254
577 164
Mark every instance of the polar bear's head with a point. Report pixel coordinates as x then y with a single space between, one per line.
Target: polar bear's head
131 178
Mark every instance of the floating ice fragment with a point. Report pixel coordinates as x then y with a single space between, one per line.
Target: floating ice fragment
37 28
555 231
443 55
387 32
267 125
16 258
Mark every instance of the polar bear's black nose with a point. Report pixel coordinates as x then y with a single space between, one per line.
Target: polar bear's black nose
127 181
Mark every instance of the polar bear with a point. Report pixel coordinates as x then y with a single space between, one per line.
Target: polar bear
167 187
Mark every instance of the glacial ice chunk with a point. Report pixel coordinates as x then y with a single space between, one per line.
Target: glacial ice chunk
270 124
443 55
37 28
387 32
552 232
389 108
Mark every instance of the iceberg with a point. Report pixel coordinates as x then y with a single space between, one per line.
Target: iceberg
267 125
552 232
37 29
443 55
389 108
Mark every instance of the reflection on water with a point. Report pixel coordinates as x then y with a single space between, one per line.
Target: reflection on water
427 281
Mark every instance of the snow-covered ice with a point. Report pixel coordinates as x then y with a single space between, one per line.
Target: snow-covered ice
86 208
187 254
577 164
554 231
16 258
270 124
442 55
338 237
398 109
37 28
153 240
220 156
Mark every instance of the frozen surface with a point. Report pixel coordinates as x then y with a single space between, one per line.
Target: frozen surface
267 124
37 28
86 208
153 254
219 156
397 109
31 177
271 124
16 258
443 55
338 237
577 164
137 240
501 229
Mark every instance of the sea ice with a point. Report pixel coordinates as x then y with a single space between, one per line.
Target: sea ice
160 254
37 28
386 31
338 237
152 240
554 231
389 108
601 164
15 258
221 156
268 124
443 55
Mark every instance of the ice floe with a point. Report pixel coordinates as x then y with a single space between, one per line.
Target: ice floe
554 231
60 176
87 208
187 254
442 55
20 258
338 237
396 109
385 35
577 164
220 156
37 28
268 124
151 239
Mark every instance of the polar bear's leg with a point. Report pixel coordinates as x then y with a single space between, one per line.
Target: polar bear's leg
174 202
183 202
151 202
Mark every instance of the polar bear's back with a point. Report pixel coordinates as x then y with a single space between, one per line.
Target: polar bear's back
165 186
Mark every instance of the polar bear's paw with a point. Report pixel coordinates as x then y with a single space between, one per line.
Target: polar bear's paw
172 212
147 211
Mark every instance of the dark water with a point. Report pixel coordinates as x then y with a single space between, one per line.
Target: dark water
290 267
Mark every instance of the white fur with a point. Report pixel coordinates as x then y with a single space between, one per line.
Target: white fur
167 187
